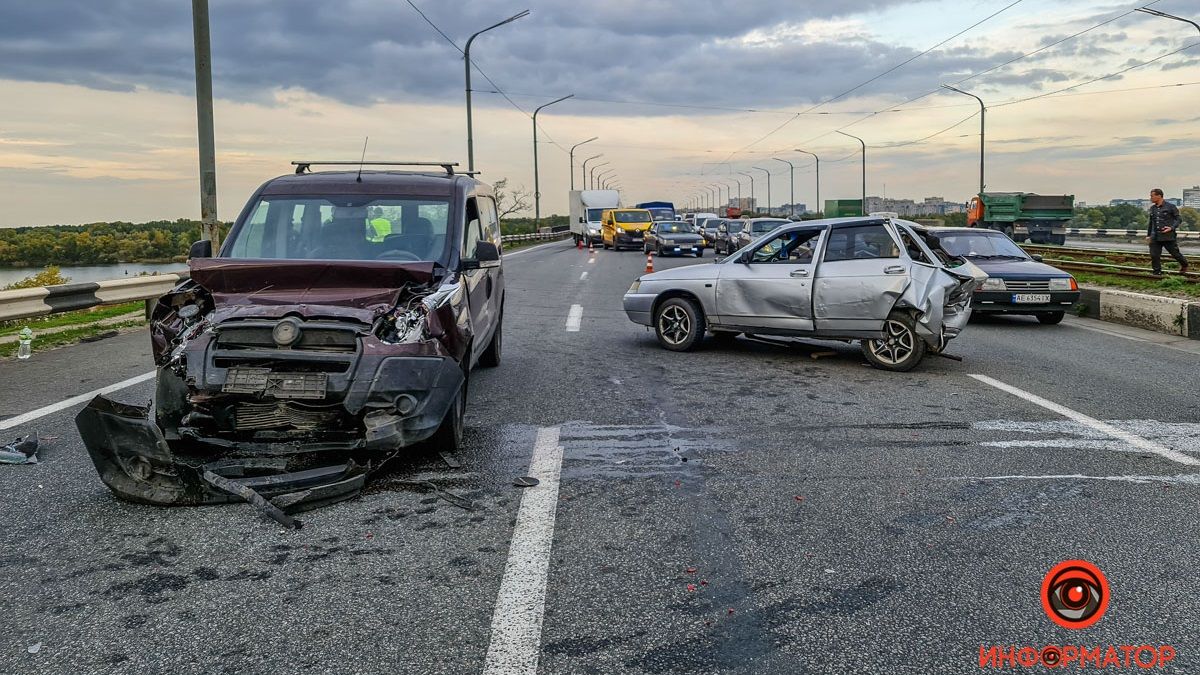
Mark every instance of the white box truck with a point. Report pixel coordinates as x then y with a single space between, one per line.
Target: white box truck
586 208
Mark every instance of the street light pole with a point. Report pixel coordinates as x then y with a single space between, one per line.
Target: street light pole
204 125
583 174
537 192
1164 15
820 206
467 63
572 153
592 173
751 177
601 177
768 187
864 170
792 180
982 119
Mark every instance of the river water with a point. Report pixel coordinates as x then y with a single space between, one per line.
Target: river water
10 275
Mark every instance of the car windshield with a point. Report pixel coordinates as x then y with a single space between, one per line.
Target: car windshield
761 226
674 228
632 216
736 226
594 215
981 245
342 228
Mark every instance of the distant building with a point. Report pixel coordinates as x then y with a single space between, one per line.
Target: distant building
744 203
1191 197
908 207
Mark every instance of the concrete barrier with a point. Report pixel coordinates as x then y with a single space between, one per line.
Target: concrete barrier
1161 314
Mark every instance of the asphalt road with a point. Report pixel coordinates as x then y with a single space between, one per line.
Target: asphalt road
741 509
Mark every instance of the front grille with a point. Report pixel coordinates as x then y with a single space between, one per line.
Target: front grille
261 416
1037 285
312 338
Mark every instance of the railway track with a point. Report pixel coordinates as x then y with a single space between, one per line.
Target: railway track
1129 264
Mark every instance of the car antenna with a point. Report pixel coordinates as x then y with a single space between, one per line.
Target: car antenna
362 159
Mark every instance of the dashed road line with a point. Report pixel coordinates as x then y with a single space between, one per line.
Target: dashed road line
74 400
1095 424
574 318
592 260
583 276
516 635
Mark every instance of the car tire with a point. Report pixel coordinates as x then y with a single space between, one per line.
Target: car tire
679 324
1058 239
901 350
1050 318
490 358
449 434
700 252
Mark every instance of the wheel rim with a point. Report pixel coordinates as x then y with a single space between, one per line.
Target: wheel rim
674 325
897 345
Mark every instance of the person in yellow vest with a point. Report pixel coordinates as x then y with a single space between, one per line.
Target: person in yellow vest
380 227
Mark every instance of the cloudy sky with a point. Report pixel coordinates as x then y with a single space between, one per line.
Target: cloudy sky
97 118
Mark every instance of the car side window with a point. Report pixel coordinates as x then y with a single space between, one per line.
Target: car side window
473 232
914 250
861 242
490 222
792 248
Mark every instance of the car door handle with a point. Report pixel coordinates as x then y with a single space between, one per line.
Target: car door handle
799 273
894 269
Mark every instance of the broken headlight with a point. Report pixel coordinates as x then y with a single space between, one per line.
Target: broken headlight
993 284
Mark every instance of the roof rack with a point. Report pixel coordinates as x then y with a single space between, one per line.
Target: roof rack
303 166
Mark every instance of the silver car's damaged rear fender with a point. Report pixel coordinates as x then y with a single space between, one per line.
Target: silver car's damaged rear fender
940 300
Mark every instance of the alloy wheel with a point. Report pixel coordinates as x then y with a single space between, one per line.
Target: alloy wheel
674 325
896 346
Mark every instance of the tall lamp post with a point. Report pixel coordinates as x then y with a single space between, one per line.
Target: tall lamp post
572 154
1155 12
864 170
602 178
739 182
209 228
467 62
982 118
820 207
792 181
751 177
583 172
768 187
592 174
537 192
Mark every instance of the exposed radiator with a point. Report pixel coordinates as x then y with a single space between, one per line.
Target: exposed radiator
280 415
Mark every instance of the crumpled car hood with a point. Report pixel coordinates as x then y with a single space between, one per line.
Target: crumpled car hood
337 289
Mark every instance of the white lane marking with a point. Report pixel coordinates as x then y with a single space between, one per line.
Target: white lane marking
74 400
583 276
516 636
591 260
531 249
574 318
1097 425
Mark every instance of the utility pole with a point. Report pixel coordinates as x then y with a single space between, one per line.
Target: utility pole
537 192
467 63
982 129
583 174
820 207
792 180
592 174
209 228
572 153
768 187
751 177
864 170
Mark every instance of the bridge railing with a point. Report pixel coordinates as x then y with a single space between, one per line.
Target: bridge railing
26 303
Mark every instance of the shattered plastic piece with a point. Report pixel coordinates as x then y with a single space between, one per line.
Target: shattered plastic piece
256 500
450 460
34 648
691 588
828 571
799 498
526 481
20 451
816 355
691 570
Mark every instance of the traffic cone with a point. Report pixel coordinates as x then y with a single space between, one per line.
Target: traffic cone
579 243
649 263
591 248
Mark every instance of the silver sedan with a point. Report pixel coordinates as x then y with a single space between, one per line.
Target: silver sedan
885 282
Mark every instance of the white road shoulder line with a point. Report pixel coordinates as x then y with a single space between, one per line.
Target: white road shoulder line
591 260
531 249
574 318
516 636
1102 427
583 276
74 400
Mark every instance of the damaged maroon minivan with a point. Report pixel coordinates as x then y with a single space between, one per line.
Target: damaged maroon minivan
338 324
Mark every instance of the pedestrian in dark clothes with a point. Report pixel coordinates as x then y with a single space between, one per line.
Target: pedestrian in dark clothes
1161 233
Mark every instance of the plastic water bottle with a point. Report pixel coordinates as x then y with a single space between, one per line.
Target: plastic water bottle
24 343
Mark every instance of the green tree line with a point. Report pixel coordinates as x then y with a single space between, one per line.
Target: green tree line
97 243
1123 217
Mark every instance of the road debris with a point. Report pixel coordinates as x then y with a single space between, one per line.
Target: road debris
34 648
450 460
526 481
821 354
20 451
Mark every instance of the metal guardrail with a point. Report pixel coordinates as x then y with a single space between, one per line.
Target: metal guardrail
1105 232
26 303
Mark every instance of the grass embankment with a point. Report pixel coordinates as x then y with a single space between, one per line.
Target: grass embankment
80 317
1171 286
70 336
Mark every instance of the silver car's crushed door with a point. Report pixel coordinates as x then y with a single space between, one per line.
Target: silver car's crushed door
776 294
860 278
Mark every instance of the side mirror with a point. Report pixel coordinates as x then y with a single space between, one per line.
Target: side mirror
582 220
745 258
1036 257
487 254
201 249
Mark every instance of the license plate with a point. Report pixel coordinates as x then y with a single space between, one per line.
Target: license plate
1031 298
